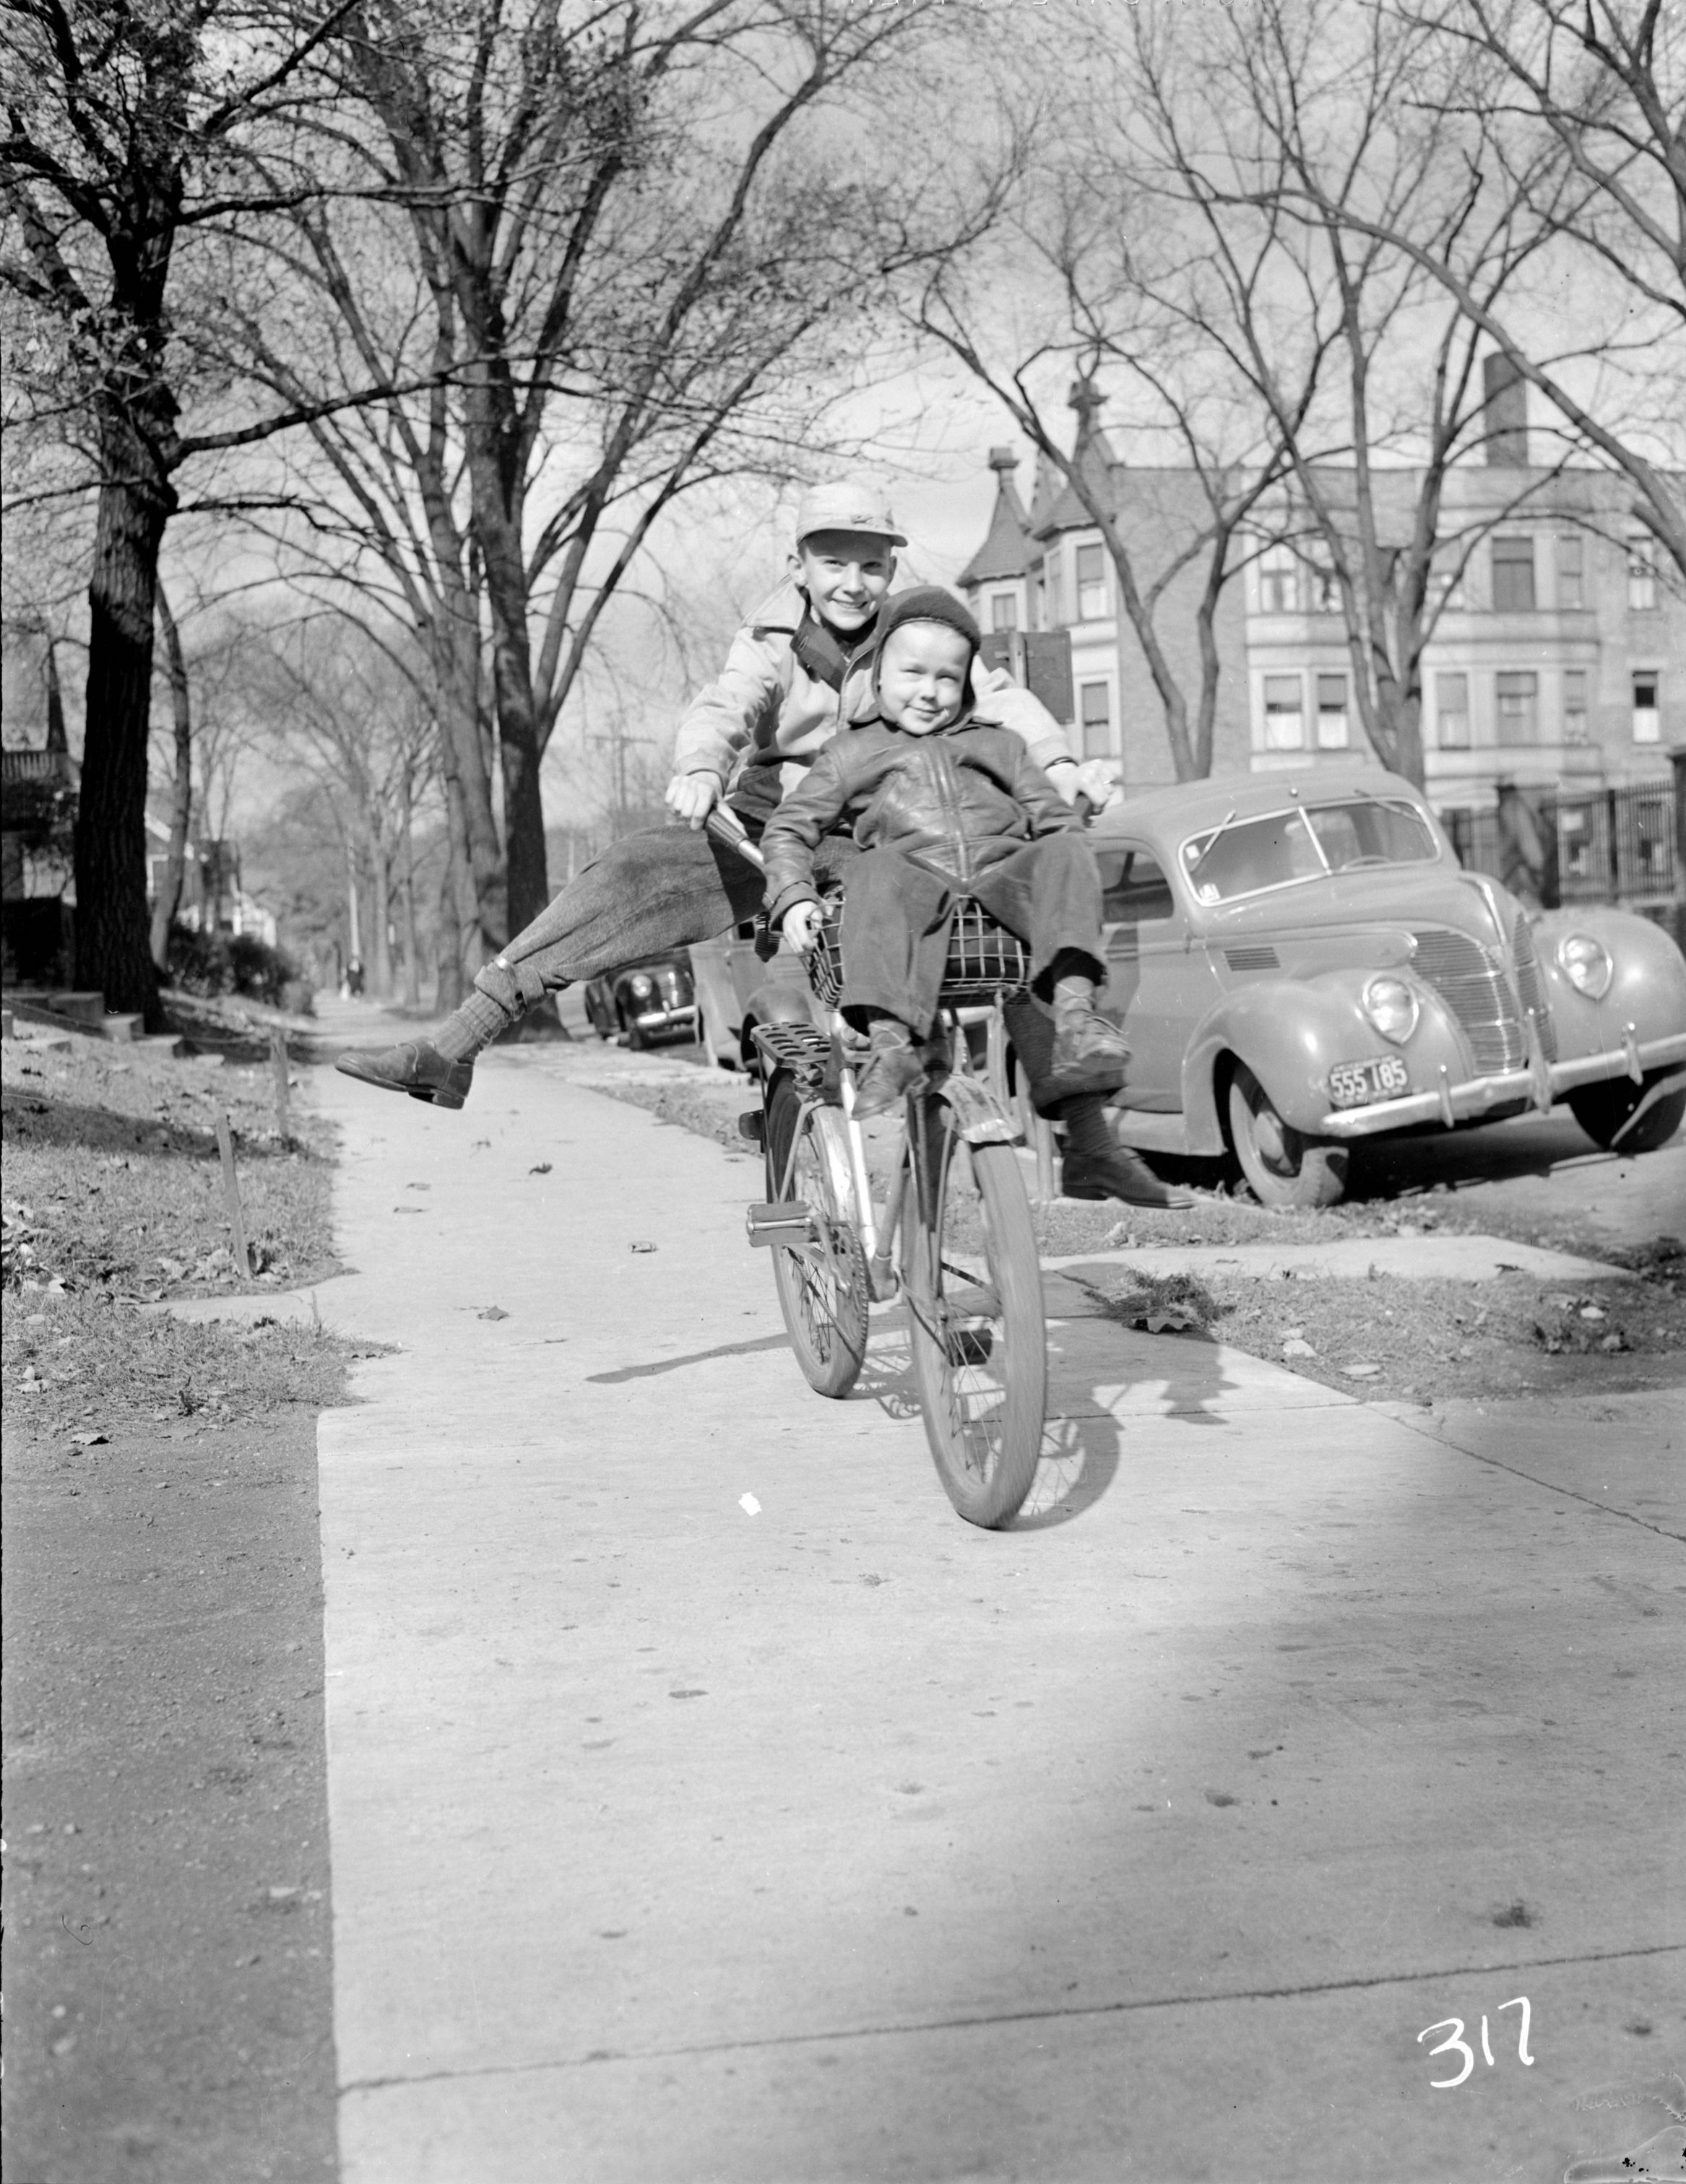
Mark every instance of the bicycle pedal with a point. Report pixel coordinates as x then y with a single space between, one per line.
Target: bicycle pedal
752 1126
785 1221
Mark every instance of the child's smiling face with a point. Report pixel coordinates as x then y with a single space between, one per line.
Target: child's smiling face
922 675
845 575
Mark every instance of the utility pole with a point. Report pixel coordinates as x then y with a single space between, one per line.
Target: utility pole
618 741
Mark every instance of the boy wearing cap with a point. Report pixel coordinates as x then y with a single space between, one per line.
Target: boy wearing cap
776 703
944 806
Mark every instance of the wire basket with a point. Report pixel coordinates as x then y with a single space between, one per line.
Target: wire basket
984 959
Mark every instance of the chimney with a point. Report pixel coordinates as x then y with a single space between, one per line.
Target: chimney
1003 459
1506 412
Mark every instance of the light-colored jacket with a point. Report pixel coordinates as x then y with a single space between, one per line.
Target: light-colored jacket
765 708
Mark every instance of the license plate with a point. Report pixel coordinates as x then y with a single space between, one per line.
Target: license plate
1355 1084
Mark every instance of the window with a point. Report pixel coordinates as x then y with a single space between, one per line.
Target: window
1513 574
1091 583
1571 574
1284 713
1278 580
1574 842
1332 712
1642 572
1518 709
1247 856
1324 589
1004 610
1654 822
1452 712
1446 590
1095 710
1135 888
1647 725
1055 598
1575 704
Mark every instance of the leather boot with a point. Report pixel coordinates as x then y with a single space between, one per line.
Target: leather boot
1119 1173
895 1070
413 1066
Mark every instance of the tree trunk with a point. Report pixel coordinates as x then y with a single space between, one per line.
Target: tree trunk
169 900
529 882
380 920
113 935
448 935
474 829
412 965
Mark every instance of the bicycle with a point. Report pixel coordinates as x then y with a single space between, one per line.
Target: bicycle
967 1266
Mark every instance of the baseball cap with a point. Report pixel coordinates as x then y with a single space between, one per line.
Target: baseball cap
846 505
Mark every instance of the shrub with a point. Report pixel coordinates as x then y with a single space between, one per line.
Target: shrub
213 963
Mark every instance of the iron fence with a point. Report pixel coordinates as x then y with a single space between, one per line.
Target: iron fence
1602 845
1609 846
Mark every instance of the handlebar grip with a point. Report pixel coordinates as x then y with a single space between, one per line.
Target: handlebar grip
725 826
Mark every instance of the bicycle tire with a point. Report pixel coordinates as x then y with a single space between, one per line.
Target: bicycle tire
983 1385
822 1287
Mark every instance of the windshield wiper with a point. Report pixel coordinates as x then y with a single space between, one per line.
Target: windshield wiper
1212 842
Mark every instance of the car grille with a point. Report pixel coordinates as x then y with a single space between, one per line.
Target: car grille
1462 973
1530 989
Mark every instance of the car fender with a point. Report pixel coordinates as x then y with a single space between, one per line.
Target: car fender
1648 989
1290 1033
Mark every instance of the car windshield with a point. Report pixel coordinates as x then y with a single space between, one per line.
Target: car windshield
1250 855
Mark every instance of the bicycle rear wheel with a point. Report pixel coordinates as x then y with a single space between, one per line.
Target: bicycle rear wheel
979 1330
822 1281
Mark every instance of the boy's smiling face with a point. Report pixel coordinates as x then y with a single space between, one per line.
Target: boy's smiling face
845 575
922 676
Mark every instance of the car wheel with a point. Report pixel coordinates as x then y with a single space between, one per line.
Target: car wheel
634 1034
1603 1109
1283 1166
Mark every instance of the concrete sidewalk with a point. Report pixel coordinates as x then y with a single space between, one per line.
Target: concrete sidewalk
843 1841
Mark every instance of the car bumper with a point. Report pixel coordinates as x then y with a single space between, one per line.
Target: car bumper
681 1021
1450 1104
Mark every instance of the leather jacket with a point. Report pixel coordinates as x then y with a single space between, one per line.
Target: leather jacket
955 802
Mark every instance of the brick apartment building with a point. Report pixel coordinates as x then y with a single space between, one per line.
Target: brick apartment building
1558 664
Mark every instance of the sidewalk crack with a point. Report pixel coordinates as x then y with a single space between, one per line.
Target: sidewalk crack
1054 2012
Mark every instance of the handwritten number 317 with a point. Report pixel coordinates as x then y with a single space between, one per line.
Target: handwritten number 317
1457 2042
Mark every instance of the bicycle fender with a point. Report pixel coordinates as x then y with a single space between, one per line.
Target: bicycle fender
978 1116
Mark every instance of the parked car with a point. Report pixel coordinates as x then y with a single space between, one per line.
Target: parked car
1299 961
738 987
645 1002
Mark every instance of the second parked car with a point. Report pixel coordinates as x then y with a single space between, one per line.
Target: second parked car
646 1002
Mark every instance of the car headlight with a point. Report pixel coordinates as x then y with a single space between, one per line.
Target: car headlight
1586 964
641 986
1392 1006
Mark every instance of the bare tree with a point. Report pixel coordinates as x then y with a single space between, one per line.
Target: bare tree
1302 138
1576 110
635 230
123 141
1131 299
324 695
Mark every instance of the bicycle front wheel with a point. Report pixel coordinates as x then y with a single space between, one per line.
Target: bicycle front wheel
979 1330
822 1281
